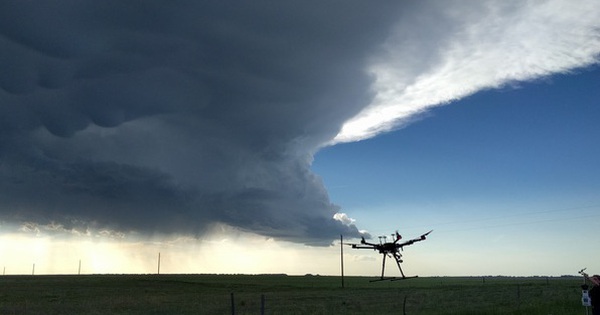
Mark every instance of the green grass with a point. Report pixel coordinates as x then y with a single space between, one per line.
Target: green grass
211 294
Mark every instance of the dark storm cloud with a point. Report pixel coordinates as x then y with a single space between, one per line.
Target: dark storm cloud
168 116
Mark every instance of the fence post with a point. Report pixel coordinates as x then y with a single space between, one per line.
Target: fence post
262 304
232 304
519 296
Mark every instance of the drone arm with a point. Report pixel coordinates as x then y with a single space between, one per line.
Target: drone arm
414 240
408 243
355 246
363 242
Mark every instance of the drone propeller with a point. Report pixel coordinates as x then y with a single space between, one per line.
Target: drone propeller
398 237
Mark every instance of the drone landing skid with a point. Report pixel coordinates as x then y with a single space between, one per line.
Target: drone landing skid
404 278
393 278
382 279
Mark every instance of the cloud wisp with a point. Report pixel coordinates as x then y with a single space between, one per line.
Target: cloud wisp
443 52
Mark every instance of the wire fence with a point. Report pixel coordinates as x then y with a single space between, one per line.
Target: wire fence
280 294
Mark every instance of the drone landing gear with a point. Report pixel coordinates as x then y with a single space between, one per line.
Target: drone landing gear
398 261
404 278
393 278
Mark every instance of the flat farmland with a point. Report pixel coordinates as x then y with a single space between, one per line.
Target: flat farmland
281 294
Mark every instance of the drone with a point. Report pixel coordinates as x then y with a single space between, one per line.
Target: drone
391 249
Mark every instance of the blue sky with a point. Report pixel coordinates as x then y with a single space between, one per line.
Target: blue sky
530 140
521 161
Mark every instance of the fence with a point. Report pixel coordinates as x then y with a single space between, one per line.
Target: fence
280 294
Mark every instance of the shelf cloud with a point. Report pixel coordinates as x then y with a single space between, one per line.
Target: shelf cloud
170 117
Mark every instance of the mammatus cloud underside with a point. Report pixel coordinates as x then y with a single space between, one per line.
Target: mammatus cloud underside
151 118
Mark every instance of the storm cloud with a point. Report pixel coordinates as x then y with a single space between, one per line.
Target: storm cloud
172 116
168 117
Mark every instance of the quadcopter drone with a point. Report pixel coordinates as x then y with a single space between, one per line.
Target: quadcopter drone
391 249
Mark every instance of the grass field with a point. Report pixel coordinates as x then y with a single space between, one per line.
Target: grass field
212 294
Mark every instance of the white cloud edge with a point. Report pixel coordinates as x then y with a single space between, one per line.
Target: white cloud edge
494 48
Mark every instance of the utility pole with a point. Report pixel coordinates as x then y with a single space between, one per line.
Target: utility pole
158 264
342 257
79 270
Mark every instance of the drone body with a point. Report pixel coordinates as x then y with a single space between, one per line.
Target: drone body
391 249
